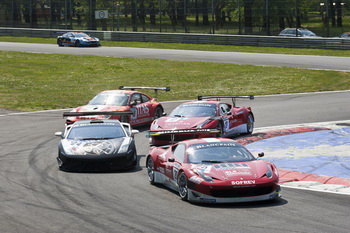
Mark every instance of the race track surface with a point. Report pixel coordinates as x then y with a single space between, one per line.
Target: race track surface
37 197
261 59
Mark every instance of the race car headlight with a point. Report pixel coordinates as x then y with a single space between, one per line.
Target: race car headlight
204 176
125 145
269 173
203 124
155 124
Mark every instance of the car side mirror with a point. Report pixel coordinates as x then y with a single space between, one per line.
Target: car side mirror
134 131
59 134
133 102
229 113
171 160
261 154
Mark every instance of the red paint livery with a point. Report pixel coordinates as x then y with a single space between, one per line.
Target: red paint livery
213 170
203 118
144 108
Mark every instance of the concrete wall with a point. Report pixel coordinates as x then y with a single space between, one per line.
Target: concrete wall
239 40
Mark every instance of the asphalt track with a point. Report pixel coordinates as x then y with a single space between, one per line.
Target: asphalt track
298 61
36 197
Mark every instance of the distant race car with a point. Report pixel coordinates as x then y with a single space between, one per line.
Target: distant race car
213 170
95 145
203 118
144 108
77 39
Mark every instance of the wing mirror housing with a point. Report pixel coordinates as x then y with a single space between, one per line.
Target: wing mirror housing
59 134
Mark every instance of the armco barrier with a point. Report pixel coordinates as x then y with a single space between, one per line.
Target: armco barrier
239 40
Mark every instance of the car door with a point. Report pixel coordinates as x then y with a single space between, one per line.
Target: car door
140 109
226 116
173 164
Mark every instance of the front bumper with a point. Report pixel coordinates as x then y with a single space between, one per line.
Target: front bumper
195 196
93 163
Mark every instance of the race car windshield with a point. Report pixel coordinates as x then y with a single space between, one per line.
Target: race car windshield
79 35
96 132
194 110
218 153
110 99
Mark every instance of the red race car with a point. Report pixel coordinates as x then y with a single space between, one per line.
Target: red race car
144 108
213 170
203 118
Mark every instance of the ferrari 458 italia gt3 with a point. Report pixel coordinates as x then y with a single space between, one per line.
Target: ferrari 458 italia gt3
213 170
144 108
203 118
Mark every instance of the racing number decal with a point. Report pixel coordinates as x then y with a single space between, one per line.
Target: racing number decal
140 111
176 168
226 124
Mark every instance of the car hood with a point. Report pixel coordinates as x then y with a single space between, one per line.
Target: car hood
89 38
173 123
92 147
240 171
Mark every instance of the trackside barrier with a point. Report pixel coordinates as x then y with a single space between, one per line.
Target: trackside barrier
219 39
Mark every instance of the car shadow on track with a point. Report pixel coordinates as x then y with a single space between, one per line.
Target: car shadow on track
240 205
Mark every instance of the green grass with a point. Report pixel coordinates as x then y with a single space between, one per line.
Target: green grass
50 81
203 47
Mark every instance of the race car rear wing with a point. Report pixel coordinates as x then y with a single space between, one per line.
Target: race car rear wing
181 131
233 97
68 114
149 88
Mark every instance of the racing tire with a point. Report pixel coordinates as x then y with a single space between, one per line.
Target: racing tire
77 43
59 42
158 113
150 170
250 123
134 163
221 128
182 184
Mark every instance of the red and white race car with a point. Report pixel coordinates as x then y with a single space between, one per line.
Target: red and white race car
203 118
144 108
213 170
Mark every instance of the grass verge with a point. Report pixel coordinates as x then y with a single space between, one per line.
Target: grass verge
50 81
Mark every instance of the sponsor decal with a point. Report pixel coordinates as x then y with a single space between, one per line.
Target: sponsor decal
155 133
196 179
229 166
237 173
92 125
218 144
140 111
243 182
198 104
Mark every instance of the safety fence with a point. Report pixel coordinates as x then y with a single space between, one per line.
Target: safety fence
238 40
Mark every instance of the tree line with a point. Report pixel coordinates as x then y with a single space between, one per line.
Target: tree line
248 14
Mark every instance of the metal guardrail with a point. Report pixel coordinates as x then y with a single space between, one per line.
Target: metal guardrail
219 39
